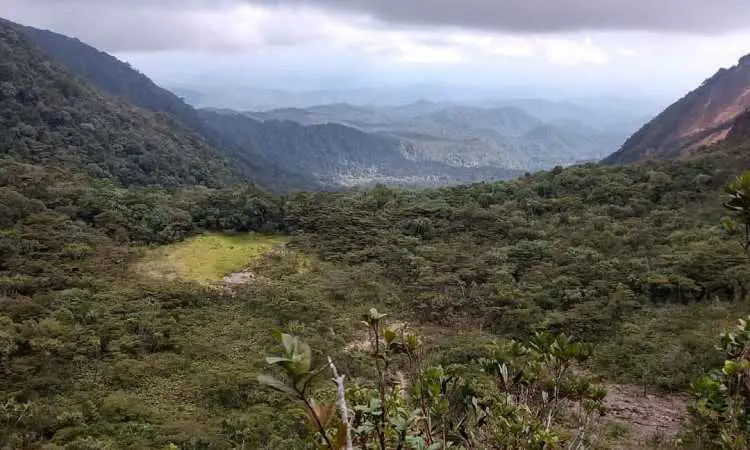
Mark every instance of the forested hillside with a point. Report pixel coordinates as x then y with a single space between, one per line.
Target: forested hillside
98 353
109 74
52 117
278 156
472 137
119 79
139 296
422 144
337 155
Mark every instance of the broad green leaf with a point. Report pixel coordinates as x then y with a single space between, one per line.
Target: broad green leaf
290 343
274 360
276 384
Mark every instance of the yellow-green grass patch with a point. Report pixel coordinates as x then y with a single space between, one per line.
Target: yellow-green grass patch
207 258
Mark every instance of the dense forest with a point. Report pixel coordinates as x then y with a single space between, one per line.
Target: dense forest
470 136
52 117
336 155
515 308
96 355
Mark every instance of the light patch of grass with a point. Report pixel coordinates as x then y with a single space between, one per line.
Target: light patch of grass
207 258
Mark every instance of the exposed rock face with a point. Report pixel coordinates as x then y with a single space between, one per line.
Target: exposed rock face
741 128
701 118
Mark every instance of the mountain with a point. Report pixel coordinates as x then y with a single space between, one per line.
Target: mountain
278 154
137 307
240 92
338 155
110 74
52 117
121 80
511 122
704 116
741 128
472 137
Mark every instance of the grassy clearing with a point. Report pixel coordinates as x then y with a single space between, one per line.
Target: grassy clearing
207 258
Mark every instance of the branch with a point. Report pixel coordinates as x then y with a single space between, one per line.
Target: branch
316 419
342 403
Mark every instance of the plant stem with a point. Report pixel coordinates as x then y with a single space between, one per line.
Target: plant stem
342 403
315 417
381 386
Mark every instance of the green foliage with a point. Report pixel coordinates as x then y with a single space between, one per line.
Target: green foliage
739 204
625 257
408 404
722 408
51 117
721 411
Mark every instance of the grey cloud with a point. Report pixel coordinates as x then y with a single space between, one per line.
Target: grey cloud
697 16
146 25
129 25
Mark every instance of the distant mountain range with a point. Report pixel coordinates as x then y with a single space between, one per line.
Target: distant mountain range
468 136
703 117
336 145
278 156
208 92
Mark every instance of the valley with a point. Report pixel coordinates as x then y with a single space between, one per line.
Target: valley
182 278
340 145
465 136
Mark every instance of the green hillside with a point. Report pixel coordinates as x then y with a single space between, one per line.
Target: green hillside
104 354
467 136
574 308
51 117
334 155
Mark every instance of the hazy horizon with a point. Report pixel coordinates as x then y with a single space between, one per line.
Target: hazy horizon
554 49
261 98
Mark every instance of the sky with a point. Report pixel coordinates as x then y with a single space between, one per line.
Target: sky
552 48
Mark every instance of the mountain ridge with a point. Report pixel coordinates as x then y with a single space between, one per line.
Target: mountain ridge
468 136
50 116
121 80
702 117
262 151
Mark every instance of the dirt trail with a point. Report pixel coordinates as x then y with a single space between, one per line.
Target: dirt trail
239 278
646 415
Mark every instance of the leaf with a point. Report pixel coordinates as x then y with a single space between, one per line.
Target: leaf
340 439
274 360
730 226
276 384
290 343
305 360
324 413
374 315
389 335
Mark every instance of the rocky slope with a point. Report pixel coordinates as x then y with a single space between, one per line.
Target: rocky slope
703 117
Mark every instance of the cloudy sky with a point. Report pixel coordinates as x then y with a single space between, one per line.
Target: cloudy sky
574 47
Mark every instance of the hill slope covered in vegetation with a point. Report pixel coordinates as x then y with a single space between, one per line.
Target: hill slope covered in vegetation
528 295
52 117
278 156
104 354
469 136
